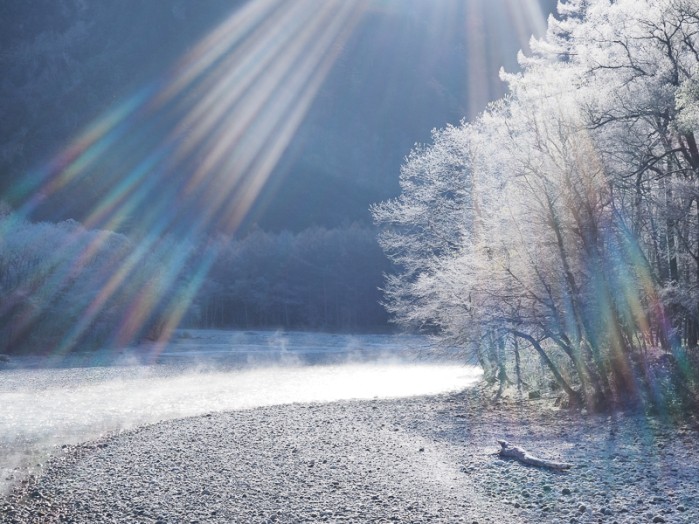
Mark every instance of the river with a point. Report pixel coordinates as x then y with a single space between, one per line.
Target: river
50 402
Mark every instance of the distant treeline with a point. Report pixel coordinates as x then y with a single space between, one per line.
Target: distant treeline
64 287
317 279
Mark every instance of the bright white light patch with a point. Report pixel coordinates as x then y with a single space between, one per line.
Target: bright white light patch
54 407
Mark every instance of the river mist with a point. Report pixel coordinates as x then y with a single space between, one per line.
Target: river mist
50 403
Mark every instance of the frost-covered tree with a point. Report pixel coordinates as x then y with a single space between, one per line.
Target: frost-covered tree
64 287
578 232
430 221
641 58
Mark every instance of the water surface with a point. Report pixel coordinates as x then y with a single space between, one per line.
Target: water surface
50 403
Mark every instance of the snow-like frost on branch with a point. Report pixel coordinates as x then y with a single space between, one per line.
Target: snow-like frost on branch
566 216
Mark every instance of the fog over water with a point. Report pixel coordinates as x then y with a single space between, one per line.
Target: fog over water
203 372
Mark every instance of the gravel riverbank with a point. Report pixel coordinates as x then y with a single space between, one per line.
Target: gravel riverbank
424 459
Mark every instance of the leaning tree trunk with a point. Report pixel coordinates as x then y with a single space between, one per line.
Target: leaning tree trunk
573 396
523 456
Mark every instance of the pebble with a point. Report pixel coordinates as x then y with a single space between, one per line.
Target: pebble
342 462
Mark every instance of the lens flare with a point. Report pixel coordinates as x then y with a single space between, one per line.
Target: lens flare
190 152
194 149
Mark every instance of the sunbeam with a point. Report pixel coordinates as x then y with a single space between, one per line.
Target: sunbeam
224 115
190 153
338 248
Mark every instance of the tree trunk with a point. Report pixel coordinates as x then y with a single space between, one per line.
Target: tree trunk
518 367
573 396
520 454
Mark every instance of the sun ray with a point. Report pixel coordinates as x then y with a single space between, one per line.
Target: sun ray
201 141
191 152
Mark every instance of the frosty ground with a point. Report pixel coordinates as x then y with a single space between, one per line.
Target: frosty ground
421 459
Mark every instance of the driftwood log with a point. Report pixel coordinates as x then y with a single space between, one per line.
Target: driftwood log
515 452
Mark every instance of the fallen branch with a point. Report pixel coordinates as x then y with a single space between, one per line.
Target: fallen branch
518 453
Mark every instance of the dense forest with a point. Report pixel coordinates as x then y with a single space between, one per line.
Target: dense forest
562 225
68 288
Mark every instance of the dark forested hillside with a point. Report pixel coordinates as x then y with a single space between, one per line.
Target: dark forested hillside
65 62
213 162
407 67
